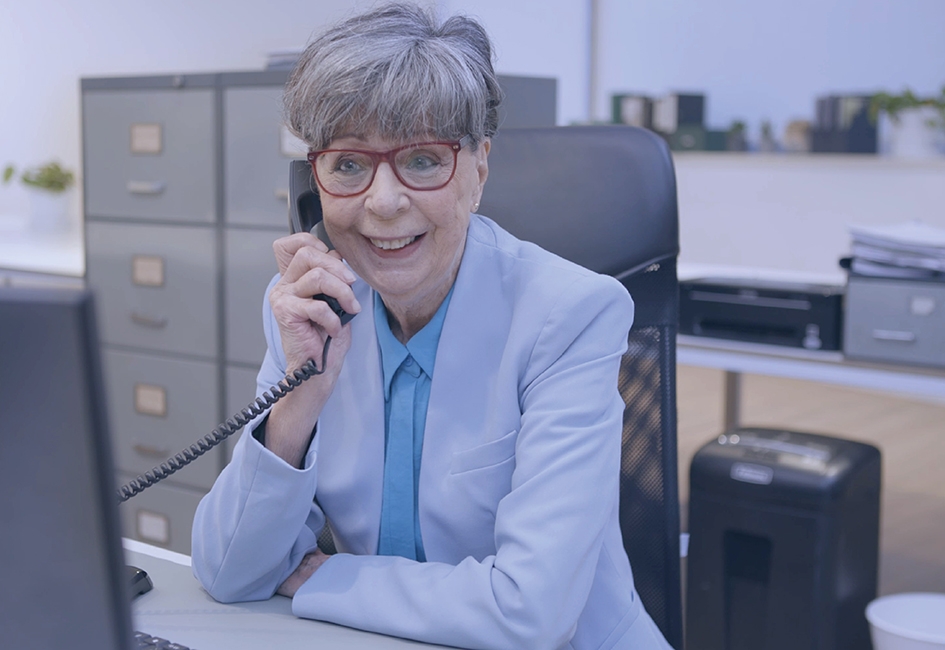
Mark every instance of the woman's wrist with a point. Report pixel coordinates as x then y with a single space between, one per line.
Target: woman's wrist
306 569
290 426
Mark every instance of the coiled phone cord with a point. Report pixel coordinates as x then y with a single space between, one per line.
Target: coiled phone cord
254 409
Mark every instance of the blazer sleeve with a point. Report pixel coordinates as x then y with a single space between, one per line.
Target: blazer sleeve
259 520
549 528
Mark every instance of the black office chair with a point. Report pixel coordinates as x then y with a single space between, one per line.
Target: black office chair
605 198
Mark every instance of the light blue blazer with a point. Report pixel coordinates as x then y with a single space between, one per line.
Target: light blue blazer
518 480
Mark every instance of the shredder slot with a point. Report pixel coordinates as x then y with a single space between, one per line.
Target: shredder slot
747 574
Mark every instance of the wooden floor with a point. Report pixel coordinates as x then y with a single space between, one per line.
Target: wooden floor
910 434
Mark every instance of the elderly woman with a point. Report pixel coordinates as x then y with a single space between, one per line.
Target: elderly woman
463 441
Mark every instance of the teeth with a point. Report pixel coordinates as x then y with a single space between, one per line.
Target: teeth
393 244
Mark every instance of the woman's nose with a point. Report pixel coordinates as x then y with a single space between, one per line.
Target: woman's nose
386 197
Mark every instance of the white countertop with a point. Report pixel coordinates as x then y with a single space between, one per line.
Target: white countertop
26 248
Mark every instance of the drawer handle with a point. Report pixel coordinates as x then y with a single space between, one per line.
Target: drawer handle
149 188
157 322
894 335
282 194
154 452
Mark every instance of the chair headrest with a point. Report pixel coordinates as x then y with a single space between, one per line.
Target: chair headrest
603 197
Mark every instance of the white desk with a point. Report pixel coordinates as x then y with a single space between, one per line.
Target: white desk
735 358
179 610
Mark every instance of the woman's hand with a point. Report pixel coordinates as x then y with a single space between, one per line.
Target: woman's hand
308 268
303 572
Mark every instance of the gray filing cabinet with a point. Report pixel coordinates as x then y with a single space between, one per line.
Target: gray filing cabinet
186 181
186 184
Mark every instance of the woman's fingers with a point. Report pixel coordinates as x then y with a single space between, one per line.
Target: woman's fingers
320 280
285 248
304 322
309 314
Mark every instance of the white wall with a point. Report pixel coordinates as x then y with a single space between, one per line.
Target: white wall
792 213
768 60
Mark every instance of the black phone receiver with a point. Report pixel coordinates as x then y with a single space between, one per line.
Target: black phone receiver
335 307
319 231
305 215
305 206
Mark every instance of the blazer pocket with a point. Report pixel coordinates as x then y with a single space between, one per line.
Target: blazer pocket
483 456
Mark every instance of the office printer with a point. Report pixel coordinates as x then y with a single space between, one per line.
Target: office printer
793 314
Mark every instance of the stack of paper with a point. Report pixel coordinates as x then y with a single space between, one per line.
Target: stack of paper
908 250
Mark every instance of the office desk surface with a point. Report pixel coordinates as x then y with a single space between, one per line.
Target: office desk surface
737 357
179 610
811 365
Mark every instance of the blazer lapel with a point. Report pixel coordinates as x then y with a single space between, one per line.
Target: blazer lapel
467 362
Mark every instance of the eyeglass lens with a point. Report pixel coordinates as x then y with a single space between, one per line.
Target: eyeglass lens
420 167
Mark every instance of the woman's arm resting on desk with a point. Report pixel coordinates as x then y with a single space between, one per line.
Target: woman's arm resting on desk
258 522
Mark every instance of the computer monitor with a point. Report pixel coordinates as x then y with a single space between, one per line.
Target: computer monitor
62 576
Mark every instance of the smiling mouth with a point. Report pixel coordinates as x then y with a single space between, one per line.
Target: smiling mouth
394 244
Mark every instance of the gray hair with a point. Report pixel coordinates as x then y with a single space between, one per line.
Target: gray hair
396 72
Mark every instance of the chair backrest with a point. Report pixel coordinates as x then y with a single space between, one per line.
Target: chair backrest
605 198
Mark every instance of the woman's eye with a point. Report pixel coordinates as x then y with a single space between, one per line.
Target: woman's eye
348 165
421 161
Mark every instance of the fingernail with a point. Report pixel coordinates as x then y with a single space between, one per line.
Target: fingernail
349 276
357 305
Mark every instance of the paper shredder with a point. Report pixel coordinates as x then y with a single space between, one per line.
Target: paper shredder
784 542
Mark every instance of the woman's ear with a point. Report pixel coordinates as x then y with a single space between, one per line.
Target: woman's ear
482 162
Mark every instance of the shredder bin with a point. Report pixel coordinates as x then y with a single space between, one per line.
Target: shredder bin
784 542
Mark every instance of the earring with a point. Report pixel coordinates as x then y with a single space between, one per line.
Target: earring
475 206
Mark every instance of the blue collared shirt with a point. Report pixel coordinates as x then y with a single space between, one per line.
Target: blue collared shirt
408 373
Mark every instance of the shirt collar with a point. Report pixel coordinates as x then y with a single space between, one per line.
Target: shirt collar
421 346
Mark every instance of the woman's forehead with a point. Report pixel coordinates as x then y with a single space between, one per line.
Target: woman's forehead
375 139
393 130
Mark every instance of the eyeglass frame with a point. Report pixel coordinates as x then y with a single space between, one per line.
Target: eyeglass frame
377 157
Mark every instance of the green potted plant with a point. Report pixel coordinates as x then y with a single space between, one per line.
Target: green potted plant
48 187
910 125
51 177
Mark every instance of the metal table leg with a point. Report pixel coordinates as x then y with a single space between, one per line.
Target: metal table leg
733 395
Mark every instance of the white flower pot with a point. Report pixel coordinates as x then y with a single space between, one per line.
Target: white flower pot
911 136
49 211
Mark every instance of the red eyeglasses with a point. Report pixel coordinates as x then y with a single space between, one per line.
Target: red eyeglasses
420 166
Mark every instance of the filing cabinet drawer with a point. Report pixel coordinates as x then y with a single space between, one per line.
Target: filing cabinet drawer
162 515
149 154
158 406
240 392
250 266
257 150
897 321
155 286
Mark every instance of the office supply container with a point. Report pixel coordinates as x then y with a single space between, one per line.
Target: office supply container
900 321
784 542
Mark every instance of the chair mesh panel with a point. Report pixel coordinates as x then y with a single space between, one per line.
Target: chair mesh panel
326 541
649 500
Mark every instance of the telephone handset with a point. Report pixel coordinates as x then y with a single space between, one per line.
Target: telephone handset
305 214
